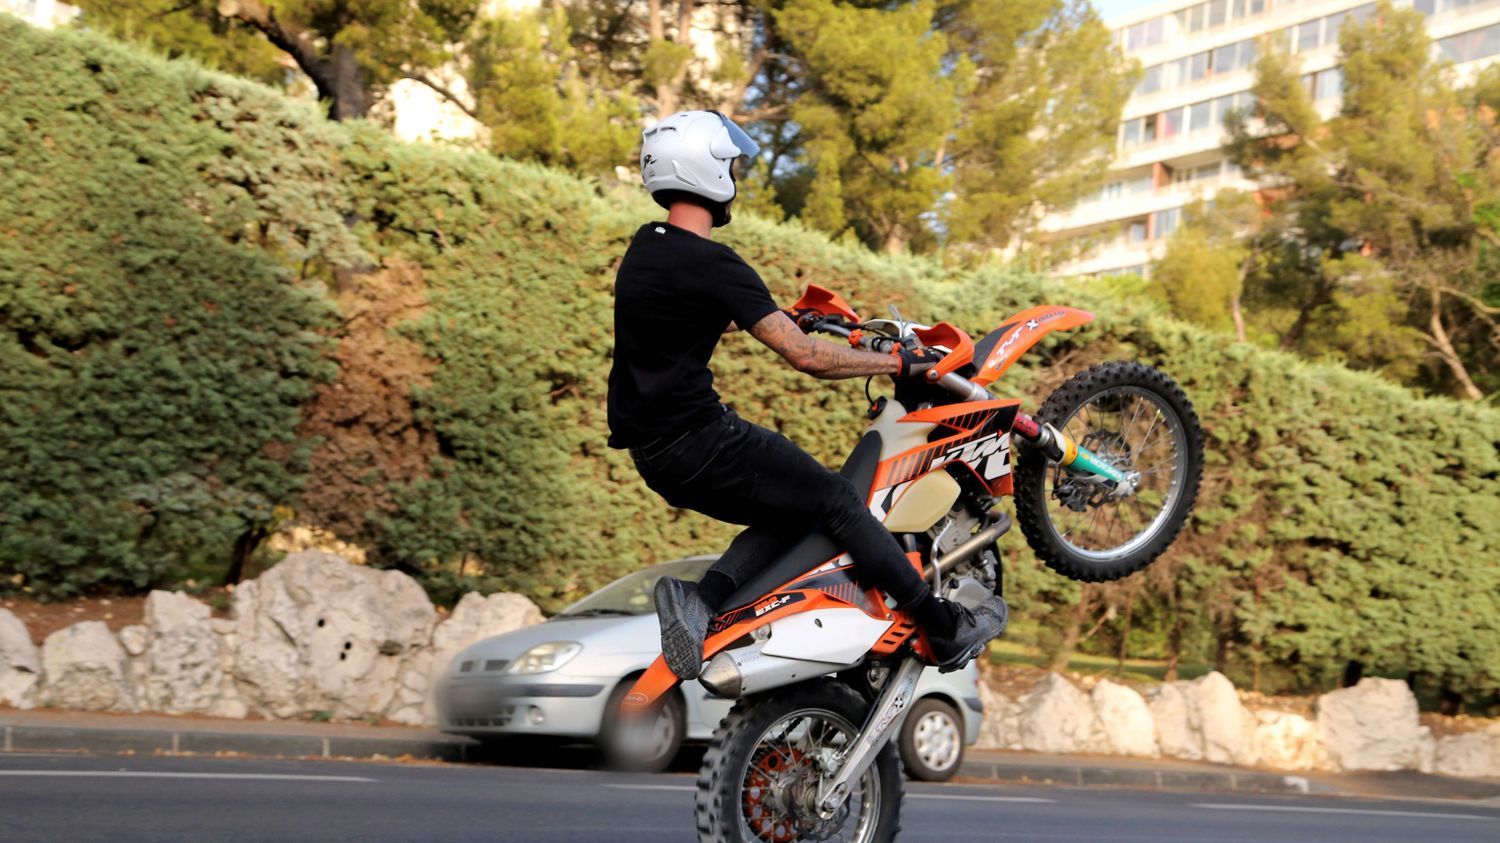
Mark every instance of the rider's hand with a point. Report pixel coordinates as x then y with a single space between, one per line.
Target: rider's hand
915 361
806 318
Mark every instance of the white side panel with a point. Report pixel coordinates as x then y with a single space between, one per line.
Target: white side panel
897 436
930 498
837 636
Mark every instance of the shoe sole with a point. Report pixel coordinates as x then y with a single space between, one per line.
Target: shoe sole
958 662
682 649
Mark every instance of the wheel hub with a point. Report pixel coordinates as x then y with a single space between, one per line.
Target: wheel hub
781 799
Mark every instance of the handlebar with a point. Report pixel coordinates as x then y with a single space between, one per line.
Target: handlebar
953 382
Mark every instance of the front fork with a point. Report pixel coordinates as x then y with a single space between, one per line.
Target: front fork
885 718
1061 449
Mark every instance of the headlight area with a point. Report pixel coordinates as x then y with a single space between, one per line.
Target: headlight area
545 658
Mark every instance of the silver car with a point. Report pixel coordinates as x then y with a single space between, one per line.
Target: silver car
564 678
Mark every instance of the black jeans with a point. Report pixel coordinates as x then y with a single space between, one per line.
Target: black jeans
734 471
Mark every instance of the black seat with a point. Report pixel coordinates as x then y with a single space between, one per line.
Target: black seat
816 547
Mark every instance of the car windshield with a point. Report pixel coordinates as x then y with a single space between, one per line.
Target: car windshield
631 594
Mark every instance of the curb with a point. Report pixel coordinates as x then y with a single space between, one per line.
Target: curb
163 741
1079 776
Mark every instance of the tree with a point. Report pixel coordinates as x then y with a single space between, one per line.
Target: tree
348 48
1202 273
1383 212
1037 128
958 122
539 104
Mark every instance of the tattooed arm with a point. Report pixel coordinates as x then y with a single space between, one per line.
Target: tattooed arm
820 359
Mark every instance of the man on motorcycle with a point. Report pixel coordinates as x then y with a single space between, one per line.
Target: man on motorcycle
676 293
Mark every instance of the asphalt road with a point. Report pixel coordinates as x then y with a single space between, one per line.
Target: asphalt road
119 799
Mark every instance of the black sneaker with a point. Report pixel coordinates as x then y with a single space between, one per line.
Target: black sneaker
973 629
684 623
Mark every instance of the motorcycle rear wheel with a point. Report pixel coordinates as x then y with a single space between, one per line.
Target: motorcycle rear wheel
1138 419
762 758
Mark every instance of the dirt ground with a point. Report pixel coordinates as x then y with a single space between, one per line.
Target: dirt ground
43 619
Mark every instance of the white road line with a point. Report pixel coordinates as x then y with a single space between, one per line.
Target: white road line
137 774
1216 806
978 798
685 787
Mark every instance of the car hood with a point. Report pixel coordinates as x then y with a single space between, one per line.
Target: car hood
634 639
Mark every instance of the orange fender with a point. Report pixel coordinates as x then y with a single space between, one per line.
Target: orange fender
1002 346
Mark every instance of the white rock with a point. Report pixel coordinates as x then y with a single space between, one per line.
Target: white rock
1372 726
1057 717
477 617
1282 740
83 667
316 634
1472 754
1202 720
20 668
1000 728
1125 721
135 639
1174 731
1222 723
183 673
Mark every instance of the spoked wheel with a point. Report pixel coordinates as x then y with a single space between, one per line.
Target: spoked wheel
1137 419
759 782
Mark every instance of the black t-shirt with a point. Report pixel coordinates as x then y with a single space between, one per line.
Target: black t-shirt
675 294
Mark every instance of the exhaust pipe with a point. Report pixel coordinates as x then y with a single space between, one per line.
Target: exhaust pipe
974 544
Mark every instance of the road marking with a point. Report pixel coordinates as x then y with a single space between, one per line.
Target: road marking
137 774
652 787
1216 806
978 798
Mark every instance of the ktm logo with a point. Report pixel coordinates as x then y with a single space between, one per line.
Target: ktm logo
773 603
993 451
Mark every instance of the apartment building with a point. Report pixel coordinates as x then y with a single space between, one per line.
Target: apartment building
43 13
1198 61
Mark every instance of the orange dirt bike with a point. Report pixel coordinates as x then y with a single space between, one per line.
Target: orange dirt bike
1104 478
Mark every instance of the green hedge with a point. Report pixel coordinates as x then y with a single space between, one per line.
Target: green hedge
213 303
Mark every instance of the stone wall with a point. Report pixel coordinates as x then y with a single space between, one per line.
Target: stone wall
313 637
316 636
1371 726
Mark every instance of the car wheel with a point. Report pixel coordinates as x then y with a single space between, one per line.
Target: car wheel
932 741
647 747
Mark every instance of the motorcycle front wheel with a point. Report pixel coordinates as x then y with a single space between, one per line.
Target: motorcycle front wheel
1139 420
759 779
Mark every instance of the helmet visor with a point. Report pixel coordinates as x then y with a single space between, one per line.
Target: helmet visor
737 136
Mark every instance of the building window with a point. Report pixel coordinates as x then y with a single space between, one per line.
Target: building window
1165 222
1150 81
1329 84
1201 116
1307 35
1169 123
1146 34
1136 232
1470 46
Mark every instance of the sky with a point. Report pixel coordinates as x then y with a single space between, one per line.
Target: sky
1110 8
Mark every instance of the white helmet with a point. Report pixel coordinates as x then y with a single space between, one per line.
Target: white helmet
691 152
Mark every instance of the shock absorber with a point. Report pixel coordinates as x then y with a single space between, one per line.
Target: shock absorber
1060 448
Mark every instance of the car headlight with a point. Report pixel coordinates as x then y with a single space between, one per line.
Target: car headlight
545 657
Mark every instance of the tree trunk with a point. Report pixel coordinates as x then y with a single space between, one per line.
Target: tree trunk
1239 317
1438 335
244 547
1071 632
1174 648
1354 670
351 97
